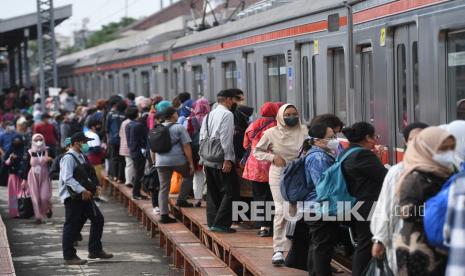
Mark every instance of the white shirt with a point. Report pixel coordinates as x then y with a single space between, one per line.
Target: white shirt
92 135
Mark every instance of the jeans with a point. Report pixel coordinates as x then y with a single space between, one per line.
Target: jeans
164 174
129 170
75 210
139 168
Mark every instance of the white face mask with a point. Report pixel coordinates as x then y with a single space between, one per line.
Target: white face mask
333 144
446 159
39 143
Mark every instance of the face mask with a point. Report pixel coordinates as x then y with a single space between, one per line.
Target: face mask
291 121
39 143
333 144
233 107
84 148
99 129
17 144
10 128
446 159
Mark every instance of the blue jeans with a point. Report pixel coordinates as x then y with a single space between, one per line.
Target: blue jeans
75 210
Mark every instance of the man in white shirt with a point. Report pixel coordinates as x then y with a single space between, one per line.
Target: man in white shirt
221 176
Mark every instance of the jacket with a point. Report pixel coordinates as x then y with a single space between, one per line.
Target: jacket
136 133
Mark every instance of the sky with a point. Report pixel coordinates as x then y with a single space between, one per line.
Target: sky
99 12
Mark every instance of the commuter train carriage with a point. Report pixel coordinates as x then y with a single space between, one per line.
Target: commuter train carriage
386 62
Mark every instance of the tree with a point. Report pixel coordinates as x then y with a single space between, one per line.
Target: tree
108 32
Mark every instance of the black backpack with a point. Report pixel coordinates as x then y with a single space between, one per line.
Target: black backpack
84 174
160 138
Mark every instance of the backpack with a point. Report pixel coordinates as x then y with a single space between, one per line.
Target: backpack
293 182
55 168
332 186
248 151
160 139
84 173
435 213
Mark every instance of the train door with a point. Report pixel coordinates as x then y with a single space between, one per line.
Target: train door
366 85
405 79
251 79
307 73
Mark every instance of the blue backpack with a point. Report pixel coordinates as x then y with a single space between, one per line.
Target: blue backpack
293 182
332 186
435 213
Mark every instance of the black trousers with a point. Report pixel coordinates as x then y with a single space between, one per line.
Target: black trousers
297 255
117 162
362 253
139 167
262 193
323 238
75 210
221 191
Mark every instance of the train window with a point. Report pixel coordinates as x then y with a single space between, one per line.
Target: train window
198 80
402 112
368 97
126 83
338 83
275 78
456 73
145 83
305 88
230 75
416 93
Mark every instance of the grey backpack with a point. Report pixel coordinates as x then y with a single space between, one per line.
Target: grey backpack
210 148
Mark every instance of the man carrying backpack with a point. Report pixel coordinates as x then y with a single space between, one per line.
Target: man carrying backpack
171 143
76 192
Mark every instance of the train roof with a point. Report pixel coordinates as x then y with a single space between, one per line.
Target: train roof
288 11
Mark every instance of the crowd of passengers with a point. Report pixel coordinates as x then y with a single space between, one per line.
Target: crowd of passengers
256 148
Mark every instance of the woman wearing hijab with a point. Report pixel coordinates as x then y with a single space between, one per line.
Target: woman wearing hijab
428 162
280 145
258 171
200 109
38 179
16 164
185 112
457 129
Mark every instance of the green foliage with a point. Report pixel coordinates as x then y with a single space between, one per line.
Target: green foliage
108 32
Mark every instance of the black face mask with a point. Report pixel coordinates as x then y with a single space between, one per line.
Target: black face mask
99 129
17 144
233 107
291 121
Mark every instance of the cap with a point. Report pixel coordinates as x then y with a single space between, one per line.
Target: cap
228 93
80 137
67 141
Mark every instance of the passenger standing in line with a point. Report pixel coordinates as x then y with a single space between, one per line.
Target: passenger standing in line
457 128
200 109
385 223
15 163
323 234
178 159
49 132
96 148
280 145
38 179
113 124
258 171
241 122
79 205
131 100
131 115
333 122
221 176
364 174
185 112
428 162
137 134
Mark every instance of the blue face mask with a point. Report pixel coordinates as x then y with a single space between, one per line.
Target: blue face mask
84 148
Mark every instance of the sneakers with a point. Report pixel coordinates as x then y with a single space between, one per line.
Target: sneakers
75 261
222 229
167 219
100 255
264 233
278 258
156 210
184 204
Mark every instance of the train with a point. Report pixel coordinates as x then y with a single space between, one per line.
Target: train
386 62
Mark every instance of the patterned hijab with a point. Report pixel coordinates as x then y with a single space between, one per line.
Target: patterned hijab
200 109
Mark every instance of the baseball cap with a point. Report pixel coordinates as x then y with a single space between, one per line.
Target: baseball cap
67 141
80 137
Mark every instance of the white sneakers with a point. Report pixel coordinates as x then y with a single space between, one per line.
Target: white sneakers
156 210
278 258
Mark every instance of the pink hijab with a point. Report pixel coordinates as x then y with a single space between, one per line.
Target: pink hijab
200 109
34 147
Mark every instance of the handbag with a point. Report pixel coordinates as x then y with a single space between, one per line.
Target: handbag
25 206
150 181
210 148
176 181
378 267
